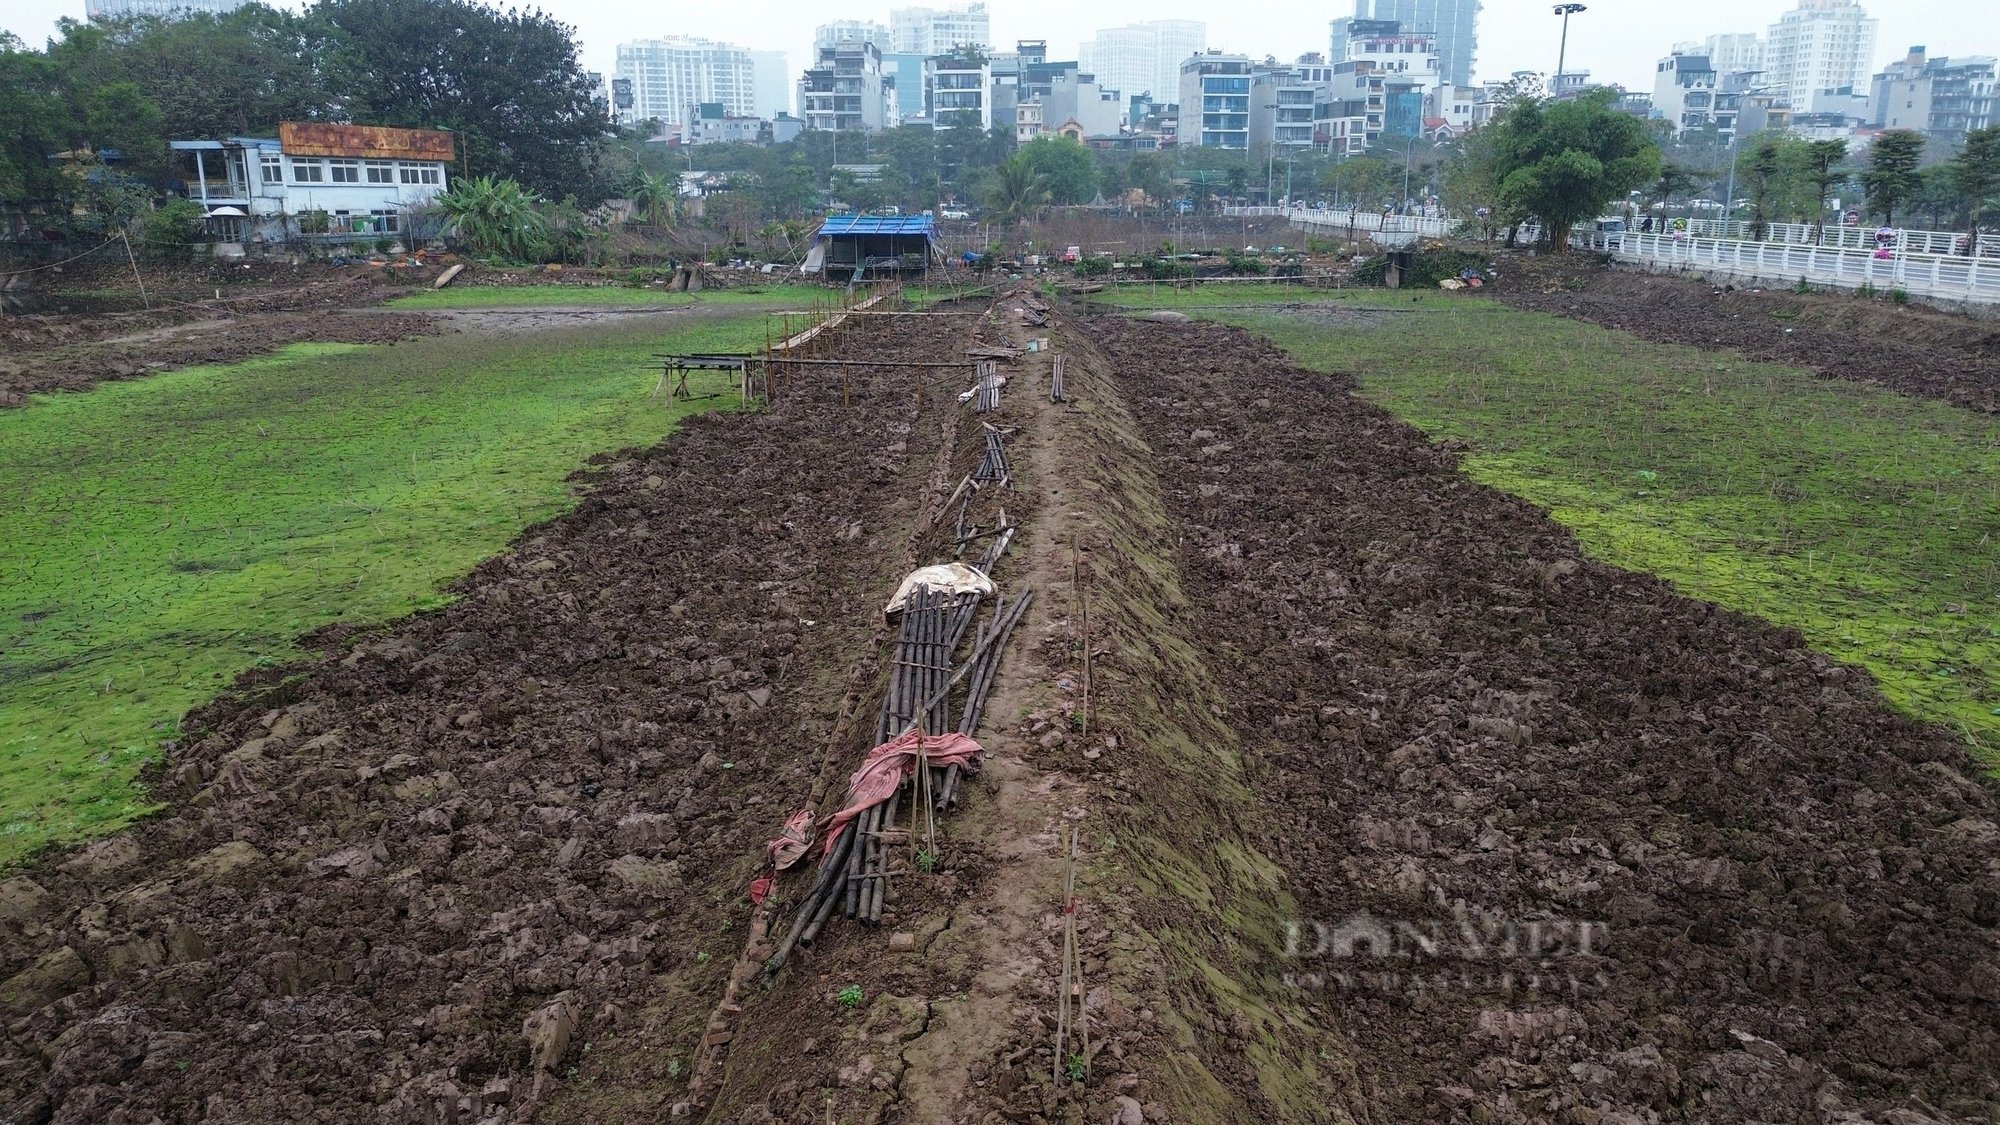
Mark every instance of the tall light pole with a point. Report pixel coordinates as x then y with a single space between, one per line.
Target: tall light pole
1562 53
1271 153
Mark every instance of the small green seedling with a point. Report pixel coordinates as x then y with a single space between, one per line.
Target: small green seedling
701 958
1078 1067
850 997
927 861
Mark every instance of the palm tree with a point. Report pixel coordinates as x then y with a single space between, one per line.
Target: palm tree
657 199
494 216
1018 192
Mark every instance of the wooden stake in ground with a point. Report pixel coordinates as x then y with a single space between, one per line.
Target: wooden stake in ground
129 257
1072 973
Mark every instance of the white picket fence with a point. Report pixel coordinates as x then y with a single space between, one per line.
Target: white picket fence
1322 221
1944 242
1922 263
1942 276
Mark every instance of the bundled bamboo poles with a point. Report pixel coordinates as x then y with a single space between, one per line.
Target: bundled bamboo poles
855 873
994 466
986 391
1056 381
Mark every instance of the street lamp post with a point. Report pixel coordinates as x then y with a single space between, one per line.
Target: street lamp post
1271 153
1562 53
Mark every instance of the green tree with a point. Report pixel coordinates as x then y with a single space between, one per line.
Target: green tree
1017 192
1566 161
35 121
1937 198
494 216
1975 173
119 116
172 231
1892 178
506 83
1674 182
1768 173
1823 168
233 74
1362 181
1068 168
656 199
1152 174
787 189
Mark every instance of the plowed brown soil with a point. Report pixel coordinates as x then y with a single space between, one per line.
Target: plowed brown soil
1556 844
73 353
1909 350
1570 847
456 861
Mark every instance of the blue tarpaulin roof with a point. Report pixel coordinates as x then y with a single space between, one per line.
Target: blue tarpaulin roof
877 224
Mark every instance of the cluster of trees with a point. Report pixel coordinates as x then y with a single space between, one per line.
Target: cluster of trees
1965 188
1563 162
1560 162
507 83
537 154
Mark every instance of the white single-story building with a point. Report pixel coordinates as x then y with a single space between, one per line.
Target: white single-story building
318 182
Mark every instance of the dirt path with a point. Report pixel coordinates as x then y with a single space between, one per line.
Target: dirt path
1570 847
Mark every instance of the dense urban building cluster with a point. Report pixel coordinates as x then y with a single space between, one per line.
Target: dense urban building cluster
1394 68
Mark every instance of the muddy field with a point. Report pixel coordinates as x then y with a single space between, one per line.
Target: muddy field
544 803
1905 349
73 352
1394 808
1568 847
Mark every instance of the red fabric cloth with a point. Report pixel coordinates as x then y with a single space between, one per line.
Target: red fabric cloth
760 888
795 841
888 764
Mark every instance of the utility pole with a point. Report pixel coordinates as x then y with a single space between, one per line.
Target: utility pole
1562 53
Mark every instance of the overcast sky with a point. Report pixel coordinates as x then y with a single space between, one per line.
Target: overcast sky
1616 40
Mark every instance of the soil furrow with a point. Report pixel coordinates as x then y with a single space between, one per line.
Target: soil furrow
1569 846
542 804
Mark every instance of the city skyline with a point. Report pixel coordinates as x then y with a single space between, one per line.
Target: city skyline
1610 40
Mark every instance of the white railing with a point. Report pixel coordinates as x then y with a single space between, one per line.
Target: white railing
1777 263
1942 242
1326 219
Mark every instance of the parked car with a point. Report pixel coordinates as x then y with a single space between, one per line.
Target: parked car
1072 255
950 213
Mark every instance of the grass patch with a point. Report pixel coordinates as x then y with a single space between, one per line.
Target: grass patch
1862 518
602 296
165 534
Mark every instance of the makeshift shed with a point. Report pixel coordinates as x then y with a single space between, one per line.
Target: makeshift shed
868 246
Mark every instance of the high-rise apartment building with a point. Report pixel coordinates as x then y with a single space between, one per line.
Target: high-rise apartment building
843 89
1820 45
671 76
1940 96
1215 101
850 31
938 31
1143 58
1454 23
128 9
771 83
1733 52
